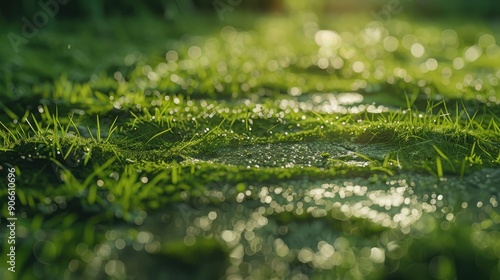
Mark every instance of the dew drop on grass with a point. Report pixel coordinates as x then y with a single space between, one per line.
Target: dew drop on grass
417 50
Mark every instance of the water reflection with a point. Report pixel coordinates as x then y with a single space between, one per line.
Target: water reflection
348 228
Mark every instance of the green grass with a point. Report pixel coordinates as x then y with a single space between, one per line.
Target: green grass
252 150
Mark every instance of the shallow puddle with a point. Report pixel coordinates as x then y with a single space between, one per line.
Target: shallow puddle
282 154
346 227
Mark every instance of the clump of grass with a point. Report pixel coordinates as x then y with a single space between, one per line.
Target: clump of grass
447 138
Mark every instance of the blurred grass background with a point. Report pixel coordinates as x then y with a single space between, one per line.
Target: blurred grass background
97 9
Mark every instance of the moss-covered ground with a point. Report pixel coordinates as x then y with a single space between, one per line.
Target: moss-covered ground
260 147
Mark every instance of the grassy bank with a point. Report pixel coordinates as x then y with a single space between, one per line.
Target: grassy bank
264 146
